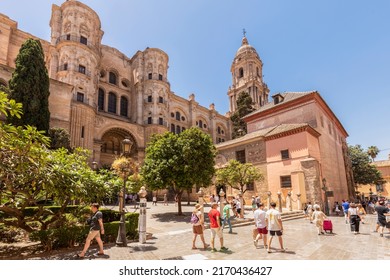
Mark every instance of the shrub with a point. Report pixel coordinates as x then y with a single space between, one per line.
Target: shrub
68 235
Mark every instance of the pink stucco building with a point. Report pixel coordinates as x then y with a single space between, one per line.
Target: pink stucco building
295 140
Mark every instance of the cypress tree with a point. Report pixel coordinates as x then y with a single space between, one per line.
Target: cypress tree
244 107
29 85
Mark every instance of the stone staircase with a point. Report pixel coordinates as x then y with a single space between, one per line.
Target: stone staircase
292 215
286 216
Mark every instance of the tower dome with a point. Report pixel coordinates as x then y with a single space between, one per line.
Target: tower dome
247 69
246 48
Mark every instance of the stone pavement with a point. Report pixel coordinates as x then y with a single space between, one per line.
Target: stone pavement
172 239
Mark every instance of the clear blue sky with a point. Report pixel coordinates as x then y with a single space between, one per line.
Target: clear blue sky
340 48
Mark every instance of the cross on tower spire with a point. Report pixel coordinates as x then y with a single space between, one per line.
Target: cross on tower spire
244 32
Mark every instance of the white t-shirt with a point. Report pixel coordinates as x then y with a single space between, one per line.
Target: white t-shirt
238 204
259 216
273 217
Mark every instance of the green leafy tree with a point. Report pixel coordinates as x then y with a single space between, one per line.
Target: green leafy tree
363 171
244 107
373 151
29 85
59 138
238 175
179 161
30 172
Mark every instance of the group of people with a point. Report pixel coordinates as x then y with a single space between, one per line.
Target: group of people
215 227
265 221
268 221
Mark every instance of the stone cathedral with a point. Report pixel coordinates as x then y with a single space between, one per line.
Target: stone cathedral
99 94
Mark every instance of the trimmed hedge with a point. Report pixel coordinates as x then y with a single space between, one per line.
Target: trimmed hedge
64 236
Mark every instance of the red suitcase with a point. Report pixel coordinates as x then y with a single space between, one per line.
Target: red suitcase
328 226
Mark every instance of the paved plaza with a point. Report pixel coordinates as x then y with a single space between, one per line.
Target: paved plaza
172 239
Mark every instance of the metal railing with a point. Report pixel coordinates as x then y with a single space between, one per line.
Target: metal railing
78 39
74 68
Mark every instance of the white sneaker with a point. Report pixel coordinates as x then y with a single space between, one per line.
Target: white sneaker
255 243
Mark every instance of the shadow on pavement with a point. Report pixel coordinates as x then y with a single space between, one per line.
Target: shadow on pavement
172 217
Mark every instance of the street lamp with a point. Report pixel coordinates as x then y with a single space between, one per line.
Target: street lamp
94 165
324 188
124 170
142 215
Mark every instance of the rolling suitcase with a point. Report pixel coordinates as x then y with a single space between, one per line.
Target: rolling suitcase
328 226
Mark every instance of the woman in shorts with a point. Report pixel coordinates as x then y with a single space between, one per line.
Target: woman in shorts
198 227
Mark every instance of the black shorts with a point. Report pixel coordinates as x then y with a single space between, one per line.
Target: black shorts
382 223
239 211
277 232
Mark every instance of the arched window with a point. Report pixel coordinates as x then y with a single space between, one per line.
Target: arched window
178 116
112 78
124 106
112 103
200 123
241 72
172 128
219 130
101 99
178 129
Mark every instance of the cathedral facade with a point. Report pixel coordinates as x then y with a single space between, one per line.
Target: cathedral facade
100 95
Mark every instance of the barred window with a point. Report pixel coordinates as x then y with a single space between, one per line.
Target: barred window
240 156
285 181
285 154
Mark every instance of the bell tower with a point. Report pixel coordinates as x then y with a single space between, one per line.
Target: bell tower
247 69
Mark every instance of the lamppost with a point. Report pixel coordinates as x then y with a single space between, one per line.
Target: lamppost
325 189
142 215
94 165
124 170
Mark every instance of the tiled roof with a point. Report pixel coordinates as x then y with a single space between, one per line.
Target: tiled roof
267 132
287 96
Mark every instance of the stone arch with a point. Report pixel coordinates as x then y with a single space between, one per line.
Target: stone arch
111 142
182 113
221 129
202 123
111 73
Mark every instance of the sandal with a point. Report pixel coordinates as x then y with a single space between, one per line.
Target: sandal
194 248
79 257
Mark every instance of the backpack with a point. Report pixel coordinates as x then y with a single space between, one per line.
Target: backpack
194 219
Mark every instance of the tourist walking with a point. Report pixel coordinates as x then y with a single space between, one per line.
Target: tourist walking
154 200
198 226
345 206
215 228
165 199
254 204
96 228
337 208
362 212
382 211
319 217
238 208
226 216
309 211
261 225
273 220
354 218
